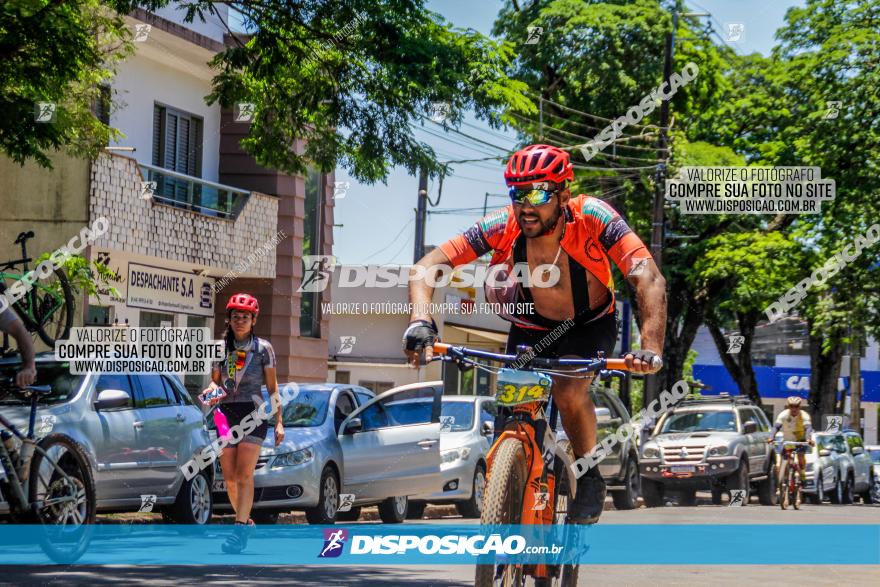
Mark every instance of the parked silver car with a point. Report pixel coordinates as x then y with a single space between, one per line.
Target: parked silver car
137 431
823 470
467 424
342 440
874 452
860 475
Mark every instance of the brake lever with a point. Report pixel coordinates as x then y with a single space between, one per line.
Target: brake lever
608 373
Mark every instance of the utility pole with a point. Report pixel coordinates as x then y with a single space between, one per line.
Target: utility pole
421 217
855 379
652 387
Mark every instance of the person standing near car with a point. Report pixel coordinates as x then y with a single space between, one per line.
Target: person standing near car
11 324
248 366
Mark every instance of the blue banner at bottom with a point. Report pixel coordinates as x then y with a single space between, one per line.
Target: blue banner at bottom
369 544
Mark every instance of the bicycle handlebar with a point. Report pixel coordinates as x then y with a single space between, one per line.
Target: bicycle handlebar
792 442
442 348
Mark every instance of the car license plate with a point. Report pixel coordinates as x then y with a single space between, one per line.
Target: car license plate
521 387
219 485
682 468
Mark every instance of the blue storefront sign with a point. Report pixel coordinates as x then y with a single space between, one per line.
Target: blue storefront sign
778 382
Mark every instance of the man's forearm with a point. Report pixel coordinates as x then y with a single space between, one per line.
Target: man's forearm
651 297
422 274
25 345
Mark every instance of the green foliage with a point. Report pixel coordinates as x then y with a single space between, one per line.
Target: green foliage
86 276
56 52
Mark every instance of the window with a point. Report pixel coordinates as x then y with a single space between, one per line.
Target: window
759 417
115 381
363 397
487 412
376 387
854 441
177 141
344 406
155 319
343 377
416 408
194 382
153 392
99 315
313 222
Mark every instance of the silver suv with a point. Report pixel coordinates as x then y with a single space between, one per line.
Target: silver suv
717 443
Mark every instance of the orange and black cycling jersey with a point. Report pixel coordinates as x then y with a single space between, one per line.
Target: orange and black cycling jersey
593 232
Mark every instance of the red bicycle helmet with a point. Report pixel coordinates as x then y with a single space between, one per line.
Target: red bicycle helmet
245 302
537 163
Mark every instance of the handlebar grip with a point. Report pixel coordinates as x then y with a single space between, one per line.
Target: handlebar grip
441 348
618 364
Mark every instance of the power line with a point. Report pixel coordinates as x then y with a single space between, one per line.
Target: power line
394 240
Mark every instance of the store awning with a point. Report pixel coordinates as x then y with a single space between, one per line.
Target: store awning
490 335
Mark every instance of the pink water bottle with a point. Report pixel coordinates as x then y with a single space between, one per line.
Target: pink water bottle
221 423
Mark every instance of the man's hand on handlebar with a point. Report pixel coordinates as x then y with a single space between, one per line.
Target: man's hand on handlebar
643 361
419 336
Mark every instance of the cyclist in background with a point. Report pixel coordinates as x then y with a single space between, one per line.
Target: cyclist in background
11 324
796 426
573 237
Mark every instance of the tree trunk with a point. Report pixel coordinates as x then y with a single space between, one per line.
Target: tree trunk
824 372
739 365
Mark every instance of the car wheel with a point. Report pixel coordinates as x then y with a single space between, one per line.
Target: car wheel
837 492
652 493
820 489
767 489
848 490
415 510
740 480
687 497
393 509
628 498
473 507
868 494
194 502
352 515
328 499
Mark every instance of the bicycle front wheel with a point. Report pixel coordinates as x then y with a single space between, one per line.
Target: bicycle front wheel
63 500
502 504
783 486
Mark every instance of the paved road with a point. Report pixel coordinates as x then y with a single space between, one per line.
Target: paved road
443 576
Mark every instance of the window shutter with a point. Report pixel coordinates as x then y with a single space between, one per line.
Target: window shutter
158 135
171 121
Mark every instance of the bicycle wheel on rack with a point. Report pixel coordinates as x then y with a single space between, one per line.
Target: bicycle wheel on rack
502 504
51 303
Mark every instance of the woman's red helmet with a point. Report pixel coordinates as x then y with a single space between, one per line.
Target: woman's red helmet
245 302
538 163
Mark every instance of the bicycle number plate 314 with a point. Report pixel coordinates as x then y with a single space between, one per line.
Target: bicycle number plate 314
521 387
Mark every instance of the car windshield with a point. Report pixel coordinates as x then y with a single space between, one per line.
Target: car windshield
55 375
307 409
724 420
875 455
824 442
456 416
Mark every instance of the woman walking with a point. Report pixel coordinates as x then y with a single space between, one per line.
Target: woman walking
236 386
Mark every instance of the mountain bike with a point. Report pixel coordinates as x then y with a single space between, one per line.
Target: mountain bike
526 466
48 481
47 306
789 477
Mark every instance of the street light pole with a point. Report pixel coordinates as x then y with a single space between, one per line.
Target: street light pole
421 217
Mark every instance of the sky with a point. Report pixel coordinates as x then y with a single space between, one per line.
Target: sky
375 224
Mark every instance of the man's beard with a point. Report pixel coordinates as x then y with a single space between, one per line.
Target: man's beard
542 227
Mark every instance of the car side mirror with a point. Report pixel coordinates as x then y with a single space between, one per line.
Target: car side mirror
109 399
857 450
750 427
487 428
603 414
824 453
354 425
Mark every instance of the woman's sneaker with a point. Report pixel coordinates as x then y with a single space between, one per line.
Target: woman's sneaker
237 541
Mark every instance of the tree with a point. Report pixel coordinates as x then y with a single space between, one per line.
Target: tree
333 84
56 53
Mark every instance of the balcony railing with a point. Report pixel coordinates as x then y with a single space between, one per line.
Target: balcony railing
195 194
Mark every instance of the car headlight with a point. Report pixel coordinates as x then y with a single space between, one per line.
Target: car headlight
291 459
452 455
809 468
718 451
651 452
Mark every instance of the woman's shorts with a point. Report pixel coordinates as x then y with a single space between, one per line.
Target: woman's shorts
235 413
